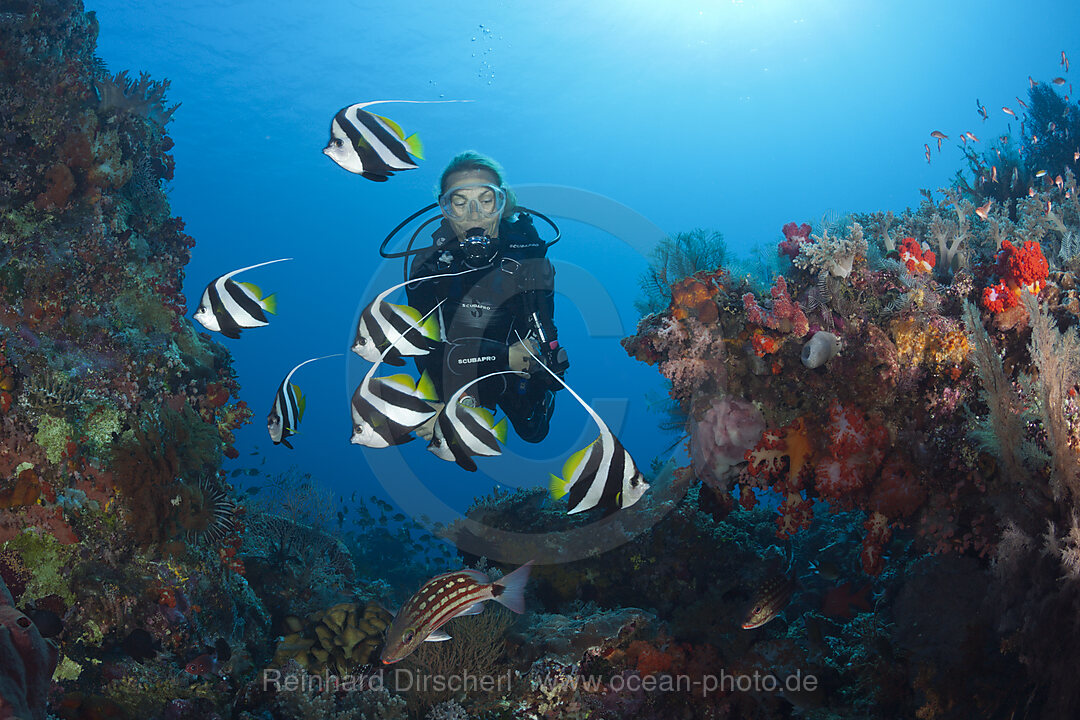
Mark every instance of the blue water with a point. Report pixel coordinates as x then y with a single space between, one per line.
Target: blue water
734 116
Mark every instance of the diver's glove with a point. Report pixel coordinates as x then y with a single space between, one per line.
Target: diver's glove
425 431
519 360
553 355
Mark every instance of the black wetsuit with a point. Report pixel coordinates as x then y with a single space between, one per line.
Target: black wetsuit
480 316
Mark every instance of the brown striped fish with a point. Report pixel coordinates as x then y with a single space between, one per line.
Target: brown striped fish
445 597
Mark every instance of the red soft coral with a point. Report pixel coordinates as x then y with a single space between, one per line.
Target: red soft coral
785 315
917 258
795 236
897 493
1022 267
998 298
846 429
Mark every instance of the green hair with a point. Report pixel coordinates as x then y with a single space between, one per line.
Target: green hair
472 160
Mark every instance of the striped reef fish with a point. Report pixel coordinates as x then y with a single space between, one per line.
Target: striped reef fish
382 320
386 410
370 145
445 597
602 473
288 407
228 307
769 600
461 431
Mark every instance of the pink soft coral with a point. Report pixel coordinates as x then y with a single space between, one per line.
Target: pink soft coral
727 430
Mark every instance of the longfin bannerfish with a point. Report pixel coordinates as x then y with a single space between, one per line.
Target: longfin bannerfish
385 411
228 307
373 146
607 475
445 597
288 408
381 320
461 431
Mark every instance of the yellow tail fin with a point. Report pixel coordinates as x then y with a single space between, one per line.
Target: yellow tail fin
269 304
415 147
556 486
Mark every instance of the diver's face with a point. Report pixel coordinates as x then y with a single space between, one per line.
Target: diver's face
470 203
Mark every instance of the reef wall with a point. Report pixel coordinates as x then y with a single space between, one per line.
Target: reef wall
115 413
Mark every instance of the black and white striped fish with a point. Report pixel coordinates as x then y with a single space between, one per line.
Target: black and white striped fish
461 431
288 408
228 307
370 145
600 474
386 410
382 320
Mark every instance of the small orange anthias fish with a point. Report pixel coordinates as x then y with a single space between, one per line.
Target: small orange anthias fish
445 597
770 599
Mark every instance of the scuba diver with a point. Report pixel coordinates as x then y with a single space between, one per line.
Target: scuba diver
508 294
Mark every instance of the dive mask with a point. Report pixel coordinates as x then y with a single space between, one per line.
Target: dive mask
477 200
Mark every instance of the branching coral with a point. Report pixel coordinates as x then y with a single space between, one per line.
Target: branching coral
834 254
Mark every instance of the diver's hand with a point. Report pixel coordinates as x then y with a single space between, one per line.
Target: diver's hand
556 359
520 361
425 431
